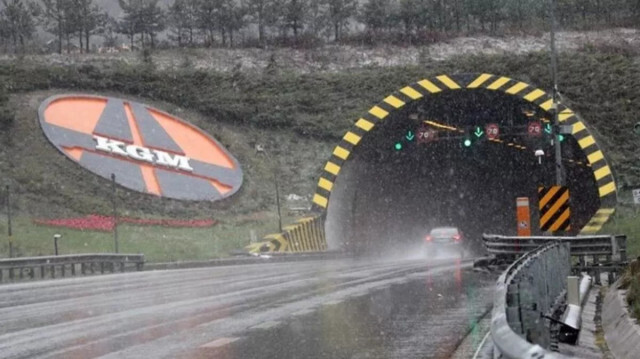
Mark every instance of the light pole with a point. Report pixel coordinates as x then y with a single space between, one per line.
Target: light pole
260 149
556 118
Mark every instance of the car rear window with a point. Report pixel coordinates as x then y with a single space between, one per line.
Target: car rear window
444 232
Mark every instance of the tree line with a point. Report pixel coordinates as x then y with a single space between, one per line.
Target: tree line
230 23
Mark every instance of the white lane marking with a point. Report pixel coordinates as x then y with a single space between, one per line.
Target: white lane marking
303 312
475 355
332 302
219 343
266 325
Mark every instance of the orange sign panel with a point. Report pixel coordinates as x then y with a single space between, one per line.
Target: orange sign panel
524 217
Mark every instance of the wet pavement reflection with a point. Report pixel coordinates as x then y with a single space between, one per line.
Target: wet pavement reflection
422 318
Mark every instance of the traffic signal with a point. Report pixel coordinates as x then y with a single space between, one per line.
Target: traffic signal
478 132
398 146
473 135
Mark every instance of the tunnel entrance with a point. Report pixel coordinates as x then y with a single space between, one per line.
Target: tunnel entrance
430 162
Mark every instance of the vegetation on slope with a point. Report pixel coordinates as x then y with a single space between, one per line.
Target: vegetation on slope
299 117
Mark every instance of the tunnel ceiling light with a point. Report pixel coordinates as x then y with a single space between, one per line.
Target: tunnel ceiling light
441 125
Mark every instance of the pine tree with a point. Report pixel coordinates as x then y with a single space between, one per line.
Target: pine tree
339 12
17 21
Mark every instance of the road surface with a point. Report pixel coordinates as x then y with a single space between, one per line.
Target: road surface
317 309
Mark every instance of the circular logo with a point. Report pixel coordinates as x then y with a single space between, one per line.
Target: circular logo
147 150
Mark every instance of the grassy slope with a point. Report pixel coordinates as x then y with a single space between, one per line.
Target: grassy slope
298 117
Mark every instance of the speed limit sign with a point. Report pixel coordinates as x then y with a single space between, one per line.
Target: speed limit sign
492 130
427 134
534 129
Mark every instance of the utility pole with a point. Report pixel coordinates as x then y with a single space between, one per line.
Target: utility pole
555 109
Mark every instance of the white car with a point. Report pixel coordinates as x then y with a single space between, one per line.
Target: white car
444 240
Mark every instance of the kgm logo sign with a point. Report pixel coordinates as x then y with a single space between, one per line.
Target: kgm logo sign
147 149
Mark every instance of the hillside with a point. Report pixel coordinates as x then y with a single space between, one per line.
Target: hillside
297 117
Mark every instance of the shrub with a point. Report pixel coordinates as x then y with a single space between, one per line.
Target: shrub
633 293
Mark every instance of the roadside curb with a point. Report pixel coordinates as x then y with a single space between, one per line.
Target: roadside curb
621 331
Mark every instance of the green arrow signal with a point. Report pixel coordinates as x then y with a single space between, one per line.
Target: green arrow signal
478 132
410 136
547 128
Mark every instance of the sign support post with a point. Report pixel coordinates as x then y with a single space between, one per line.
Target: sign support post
115 212
9 229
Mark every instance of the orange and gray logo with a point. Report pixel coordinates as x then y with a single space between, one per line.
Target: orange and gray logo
147 149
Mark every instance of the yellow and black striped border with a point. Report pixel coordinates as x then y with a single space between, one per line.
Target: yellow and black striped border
306 235
555 212
433 86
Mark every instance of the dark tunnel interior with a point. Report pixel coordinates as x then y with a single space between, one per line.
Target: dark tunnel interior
396 186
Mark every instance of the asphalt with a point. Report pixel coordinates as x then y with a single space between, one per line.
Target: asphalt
316 309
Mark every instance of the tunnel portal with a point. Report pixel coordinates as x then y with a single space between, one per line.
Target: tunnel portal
429 155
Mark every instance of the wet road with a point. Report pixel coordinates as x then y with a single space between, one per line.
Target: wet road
319 309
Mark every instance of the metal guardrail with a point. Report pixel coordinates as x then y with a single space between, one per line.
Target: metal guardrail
595 254
525 293
12 269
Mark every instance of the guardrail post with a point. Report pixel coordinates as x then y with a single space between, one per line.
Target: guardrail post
596 264
623 244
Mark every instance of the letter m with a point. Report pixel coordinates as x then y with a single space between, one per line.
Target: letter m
177 161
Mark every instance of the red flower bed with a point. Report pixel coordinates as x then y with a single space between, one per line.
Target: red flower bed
103 223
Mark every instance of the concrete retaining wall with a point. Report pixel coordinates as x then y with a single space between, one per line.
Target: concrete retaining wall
622 332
